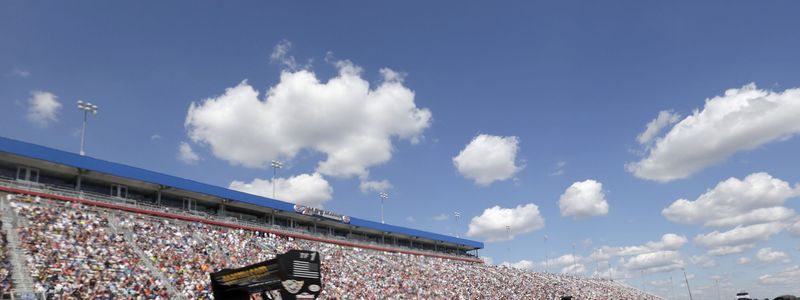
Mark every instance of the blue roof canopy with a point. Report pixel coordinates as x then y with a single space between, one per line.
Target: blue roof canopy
93 164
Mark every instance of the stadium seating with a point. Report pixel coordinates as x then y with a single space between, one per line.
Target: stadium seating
86 252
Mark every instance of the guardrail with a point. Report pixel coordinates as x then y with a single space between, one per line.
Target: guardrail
130 205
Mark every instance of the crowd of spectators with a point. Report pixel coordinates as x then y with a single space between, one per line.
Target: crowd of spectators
5 265
73 251
73 254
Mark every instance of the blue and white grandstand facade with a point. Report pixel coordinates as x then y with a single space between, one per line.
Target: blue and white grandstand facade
37 170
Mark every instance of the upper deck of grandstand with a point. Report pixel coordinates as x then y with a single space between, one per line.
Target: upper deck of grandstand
26 167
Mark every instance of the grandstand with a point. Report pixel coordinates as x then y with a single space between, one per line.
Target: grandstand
76 227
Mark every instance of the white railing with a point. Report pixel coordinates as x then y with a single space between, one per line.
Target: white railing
71 193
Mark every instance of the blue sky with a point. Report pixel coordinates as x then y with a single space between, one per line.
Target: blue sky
560 91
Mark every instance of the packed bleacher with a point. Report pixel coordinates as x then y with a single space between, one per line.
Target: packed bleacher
76 251
5 265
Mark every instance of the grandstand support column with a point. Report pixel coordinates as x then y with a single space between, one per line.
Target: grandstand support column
79 179
158 194
221 211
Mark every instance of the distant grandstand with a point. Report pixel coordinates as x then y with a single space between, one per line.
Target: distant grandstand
76 227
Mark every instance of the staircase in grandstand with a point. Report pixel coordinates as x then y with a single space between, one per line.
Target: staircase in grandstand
20 276
113 222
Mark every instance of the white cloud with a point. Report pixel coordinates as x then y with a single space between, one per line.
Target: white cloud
20 73
788 277
738 239
743 260
280 54
704 261
741 119
441 217
43 108
155 137
304 189
491 225
488 158
375 186
563 260
186 154
665 117
344 118
583 199
574 269
559 168
654 260
487 260
756 199
522 264
795 229
668 242
768 255
411 219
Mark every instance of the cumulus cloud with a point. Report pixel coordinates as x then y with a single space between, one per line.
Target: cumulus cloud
583 199
488 158
743 260
280 54
304 189
345 119
522 264
660 260
668 242
186 154
491 225
704 261
741 119
43 108
665 118
651 257
756 199
768 255
574 269
375 186
795 229
738 239
788 277
563 260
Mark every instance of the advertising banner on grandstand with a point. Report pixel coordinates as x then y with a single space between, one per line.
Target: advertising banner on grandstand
312 211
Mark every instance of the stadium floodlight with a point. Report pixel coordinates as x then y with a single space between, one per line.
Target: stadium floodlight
383 196
275 166
457 215
574 261
86 107
546 256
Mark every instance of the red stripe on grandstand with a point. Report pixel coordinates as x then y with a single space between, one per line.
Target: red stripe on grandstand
186 218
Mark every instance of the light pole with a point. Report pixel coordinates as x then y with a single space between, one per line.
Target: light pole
508 233
546 256
687 283
574 260
86 107
275 166
383 196
457 215
719 296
